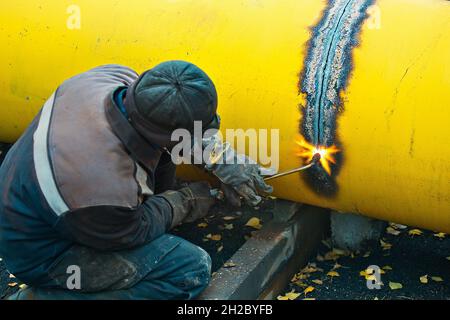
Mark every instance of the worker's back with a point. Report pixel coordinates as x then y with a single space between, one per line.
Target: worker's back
28 242
68 162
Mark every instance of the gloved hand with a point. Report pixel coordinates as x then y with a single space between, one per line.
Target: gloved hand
241 179
190 203
239 175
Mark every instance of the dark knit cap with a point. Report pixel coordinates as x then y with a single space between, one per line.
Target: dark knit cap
172 95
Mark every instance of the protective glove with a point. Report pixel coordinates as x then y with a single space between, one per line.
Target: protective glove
239 175
189 203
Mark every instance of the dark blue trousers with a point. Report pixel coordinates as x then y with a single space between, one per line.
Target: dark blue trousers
167 268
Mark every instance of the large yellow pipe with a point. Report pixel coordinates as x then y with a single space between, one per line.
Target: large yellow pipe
394 130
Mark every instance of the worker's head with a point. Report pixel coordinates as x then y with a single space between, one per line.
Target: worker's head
170 96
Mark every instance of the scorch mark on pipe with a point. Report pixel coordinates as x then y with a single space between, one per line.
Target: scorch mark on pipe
326 74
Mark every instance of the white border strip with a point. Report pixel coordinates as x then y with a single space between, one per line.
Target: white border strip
42 164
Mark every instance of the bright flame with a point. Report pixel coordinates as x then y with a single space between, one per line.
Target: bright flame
326 154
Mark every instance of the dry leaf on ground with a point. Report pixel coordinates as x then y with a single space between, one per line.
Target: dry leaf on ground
395 285
289 296
437 279
228 218
308 290
415 232
366 275
333 274
385 245
439 235
254 223
397 226
392 231
424 279
214 237
228 226
229 265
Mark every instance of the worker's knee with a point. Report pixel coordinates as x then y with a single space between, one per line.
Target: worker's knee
196 271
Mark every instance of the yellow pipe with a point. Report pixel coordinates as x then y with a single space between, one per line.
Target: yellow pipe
394 129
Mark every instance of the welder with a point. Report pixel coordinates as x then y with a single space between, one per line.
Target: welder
88 195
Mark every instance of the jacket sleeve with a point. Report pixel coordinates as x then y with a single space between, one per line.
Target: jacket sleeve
110 228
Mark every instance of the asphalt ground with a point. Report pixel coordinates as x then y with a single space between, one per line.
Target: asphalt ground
415 266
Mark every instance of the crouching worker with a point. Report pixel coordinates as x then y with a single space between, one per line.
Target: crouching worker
87 195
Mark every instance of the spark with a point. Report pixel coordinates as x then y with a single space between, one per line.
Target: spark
308 151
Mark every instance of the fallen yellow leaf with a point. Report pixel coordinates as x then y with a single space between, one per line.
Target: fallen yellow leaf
23 286
387 268
219 249
392 231
214 237
300 276
228 218
331 255
333 274
309 299
366 275
317 281
340 252
336 266
289 296
395 285
309 269
300 284
308 290
415 232
229 265
424 279
12 284
439 235
202 225
437 279
228 226
397 226
367 254
385 245
254 223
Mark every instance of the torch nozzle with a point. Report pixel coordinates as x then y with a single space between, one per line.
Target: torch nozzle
316 158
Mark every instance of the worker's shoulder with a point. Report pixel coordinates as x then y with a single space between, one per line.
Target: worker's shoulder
114 68
109 73
113 71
